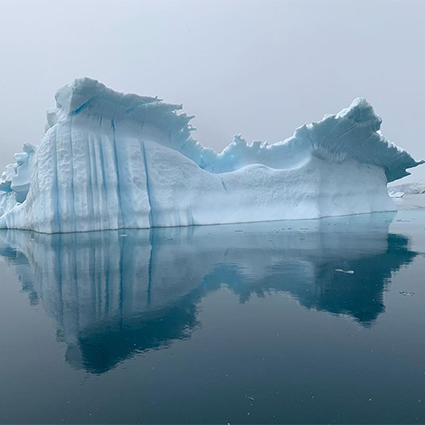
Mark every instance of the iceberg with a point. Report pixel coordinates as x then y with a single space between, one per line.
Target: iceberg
416 188
110 160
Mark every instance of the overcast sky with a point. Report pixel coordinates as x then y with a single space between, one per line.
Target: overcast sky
260 68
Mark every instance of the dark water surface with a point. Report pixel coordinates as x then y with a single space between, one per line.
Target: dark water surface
253 323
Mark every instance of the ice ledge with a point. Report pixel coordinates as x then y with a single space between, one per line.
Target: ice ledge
353 133
72 97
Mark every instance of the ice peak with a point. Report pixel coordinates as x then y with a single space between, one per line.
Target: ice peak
72 96
361 111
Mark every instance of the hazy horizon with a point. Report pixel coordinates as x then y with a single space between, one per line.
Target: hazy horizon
261 69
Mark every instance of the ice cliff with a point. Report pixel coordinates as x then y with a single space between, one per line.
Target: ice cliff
110 160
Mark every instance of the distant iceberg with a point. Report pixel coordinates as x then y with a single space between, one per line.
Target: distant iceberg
415 188
110 160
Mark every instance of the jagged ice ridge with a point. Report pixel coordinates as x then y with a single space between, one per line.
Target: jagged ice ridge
110 160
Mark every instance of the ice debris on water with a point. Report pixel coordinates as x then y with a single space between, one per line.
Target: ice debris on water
345 271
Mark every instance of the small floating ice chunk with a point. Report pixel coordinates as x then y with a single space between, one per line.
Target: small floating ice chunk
345 271
396 194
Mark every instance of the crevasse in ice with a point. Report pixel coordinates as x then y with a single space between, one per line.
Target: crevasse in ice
110 160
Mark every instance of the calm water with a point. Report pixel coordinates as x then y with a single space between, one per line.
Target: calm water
255 323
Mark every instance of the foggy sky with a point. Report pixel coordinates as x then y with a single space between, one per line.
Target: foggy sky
260 68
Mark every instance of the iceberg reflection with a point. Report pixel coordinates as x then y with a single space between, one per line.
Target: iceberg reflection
117 293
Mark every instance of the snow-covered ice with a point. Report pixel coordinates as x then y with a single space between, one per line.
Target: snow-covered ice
15 180
395 194
415 188
110 160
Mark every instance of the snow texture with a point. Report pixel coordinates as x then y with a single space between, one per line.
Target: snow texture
110 160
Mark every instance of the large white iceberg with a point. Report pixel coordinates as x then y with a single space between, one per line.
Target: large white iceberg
110 160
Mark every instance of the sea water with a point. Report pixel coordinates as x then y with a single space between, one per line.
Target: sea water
316 321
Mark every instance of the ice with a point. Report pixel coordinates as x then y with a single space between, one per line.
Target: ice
398 191
110 160
415 188
15 180
21 180
407 294
344 271
395 194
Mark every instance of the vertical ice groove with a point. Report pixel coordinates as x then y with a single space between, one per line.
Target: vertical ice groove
90 182
148 192
191 220
224 185
121 223
73 224
104 187
95 184
57 220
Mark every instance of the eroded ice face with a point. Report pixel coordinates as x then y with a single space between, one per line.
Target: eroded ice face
111 160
